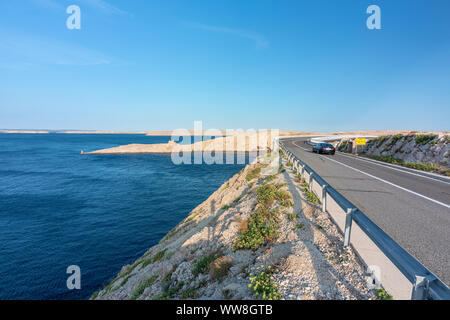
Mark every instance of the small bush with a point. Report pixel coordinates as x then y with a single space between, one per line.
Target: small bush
242 225
253 174
156 257
237 199
270 178
423 139
263 285
202 263
381 140
311 197
171 292
225 207
413 165
219 267
383 295
292 216
190 293
139 290
286 203
170 234
262 227
395 139
299 225
343 145
169 255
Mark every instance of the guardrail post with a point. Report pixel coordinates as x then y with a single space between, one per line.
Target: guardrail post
421 289
348 225
324 198
311 175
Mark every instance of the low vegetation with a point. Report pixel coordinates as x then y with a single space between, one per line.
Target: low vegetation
310 196
343 145
423 139
225 207
202 263
171 233
171 292
252 174
412 165
383 295
139 290
381 140
218 269
261 228
156 257
262 284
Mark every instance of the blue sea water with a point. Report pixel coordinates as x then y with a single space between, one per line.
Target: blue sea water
100 212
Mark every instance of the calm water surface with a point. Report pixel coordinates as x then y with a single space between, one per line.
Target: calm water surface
100 212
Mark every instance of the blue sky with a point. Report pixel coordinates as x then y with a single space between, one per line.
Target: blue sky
291 65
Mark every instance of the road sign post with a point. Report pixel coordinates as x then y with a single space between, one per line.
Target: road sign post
359 142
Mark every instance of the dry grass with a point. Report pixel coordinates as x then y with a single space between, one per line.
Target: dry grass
219 267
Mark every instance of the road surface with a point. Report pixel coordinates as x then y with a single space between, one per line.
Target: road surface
413 207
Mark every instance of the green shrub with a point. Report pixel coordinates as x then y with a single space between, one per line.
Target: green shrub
381 140
311 197
172 291
237 199
202 263
423 139
137 292
170 234
395 139
219 267
169 255
286 203
226 207
263 285
191 293
343 145
383 295
291 216
270 178
253 174
262 227
413 165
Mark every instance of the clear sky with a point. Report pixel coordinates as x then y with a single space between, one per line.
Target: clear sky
291 65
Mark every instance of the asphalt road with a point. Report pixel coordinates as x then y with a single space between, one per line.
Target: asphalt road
411 206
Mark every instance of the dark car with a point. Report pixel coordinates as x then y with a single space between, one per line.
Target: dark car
324 148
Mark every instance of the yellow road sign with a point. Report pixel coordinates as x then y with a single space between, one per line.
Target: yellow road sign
361 141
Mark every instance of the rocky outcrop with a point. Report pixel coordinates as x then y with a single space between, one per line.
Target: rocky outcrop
431 149
253 222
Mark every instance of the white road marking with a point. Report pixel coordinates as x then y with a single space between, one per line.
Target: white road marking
387 165
382 180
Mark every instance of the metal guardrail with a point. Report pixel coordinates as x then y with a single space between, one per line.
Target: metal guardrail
425 284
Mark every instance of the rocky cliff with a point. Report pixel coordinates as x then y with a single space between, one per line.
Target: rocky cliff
257 237
430 149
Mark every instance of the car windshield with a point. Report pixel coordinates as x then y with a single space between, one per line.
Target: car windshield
326 145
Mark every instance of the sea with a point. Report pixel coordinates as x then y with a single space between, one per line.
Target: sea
60 208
